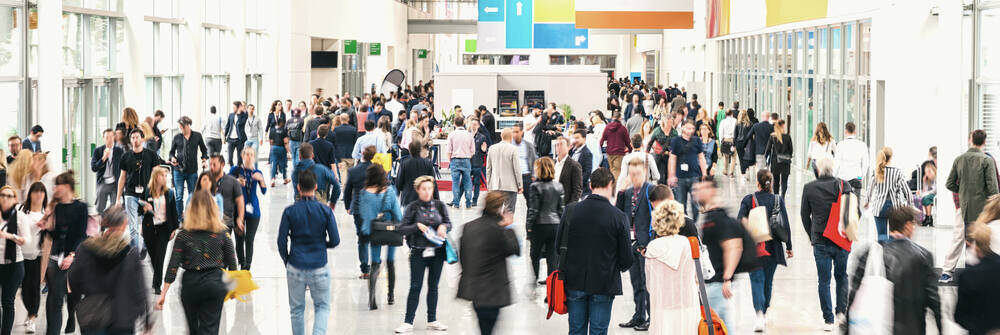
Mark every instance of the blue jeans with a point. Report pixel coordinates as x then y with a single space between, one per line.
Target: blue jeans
681 192
882 221
719 303
588 313
478 179
318 282
279 161
376 253
363 245
418 264
134 222
461 180
827 257
294 147
180 179
761 283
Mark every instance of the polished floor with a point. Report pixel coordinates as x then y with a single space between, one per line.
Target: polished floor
794 310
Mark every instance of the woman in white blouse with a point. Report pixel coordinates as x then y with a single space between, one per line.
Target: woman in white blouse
821 146
13 234
31 212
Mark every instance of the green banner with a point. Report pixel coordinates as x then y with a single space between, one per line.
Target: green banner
351 47
470 45
421 53
374 49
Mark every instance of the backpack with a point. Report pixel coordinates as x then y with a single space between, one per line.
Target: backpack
294 127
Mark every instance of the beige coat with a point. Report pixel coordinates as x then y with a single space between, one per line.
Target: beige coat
503 168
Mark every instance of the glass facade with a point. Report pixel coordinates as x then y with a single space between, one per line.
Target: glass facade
987 72
12 69
808 75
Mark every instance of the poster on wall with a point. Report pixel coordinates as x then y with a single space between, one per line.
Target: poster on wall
634 14
527 24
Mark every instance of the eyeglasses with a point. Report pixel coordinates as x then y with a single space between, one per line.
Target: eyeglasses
7 195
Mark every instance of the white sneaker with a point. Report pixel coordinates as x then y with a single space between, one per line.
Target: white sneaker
841 321
759 322
828 327
404 328
29 326
436 325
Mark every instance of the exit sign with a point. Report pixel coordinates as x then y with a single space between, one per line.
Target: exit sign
350 46
421 53
375 49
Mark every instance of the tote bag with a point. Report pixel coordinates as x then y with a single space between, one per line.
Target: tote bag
872 309
757 223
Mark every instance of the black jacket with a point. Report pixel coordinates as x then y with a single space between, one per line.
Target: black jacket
408 227
273 121
910 268
344 137
586 166
775 148
977 308
172 223
483 251
760 133
643 213
323 151
571 179
817 198
545 204
97 164
409 169
489 127
238 121
107 265
354 184
186 151
742 141
598 247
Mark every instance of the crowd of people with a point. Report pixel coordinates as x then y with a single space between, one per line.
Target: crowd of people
621 189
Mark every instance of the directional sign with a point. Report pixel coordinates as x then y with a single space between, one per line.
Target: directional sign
375 49
350 46
518 26
421 53
560 36
491 11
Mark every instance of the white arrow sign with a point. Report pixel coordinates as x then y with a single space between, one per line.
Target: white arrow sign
490 10
580 39
519 7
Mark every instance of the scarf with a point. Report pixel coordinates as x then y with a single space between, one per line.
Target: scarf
10 248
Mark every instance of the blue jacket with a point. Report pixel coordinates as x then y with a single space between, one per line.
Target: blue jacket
250 189
370 205
344 137
354 183
323 151
308 224
324 178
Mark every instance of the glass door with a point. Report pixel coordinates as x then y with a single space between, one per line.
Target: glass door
74 109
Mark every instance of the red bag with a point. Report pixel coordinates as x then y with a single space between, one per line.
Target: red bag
717 325
832 230
555 293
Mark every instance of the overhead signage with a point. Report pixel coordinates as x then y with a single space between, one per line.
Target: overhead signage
421 53
634 14
375 49
351 46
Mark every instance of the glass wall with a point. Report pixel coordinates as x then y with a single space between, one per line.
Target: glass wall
162 63
808 75
987 72
12 70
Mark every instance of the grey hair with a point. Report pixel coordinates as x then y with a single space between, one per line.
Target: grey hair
113 217
824 167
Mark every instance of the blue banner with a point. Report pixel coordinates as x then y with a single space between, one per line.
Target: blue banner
519 20
491 10
559 36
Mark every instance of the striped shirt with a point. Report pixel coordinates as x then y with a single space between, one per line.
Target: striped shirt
893 188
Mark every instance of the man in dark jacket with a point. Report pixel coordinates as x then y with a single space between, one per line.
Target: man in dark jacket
235 132
910 268
312 125
344 137
410 168
489 125
184 157
817 198
105 163
597 249
323 151
582 155
354 183
484 247
568 172
760 133
634 202
478 162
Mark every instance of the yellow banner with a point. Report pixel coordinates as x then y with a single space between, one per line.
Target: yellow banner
787 11
561 11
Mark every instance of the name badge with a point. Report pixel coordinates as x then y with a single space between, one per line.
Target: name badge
139 189
249 209
428 253
631 234
684 167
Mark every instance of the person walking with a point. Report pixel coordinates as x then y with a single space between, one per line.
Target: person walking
463 146
820 146
311 228
354 183
107 267
378 199
674 306
910 268
233 209
184 158
744 150
235 131
484 247
888 190
66 221
212 129
652 173
14 233
159 221
136 167
251 179
598 248
779 154
567 171
203 248
759 135
278 138
687 166
774 250
850 159
276 115
425 218
526 157
253 129
584 158
478 161
33 141
973 177
727 136
33 210
503 172
345 137
976 308
106 163
544 212
615 141
328 189
294 126
818 197
634 202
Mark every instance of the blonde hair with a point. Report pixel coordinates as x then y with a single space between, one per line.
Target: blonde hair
203 214
980 234
12 189
44 158
147 131
821 135
157 189
779 129
881 162
991 212
20 167
422 179
3 162
545 169
743 118
130 118
249 151
668 218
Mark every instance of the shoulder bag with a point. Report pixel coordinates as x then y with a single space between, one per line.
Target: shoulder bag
777 223
385 231
757 222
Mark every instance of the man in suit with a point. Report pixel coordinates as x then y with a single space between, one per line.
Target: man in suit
581 154
503 169
526 154
634 202
344 137
352 186
411 168
235 132
632 106
597 249
105 162
322 148
568 172
760 133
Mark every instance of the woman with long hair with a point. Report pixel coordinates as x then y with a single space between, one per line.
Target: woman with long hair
148 138
205 182
545 208
66 220
38 172
378 198
820 146
928 191
674 307
159 221
425 218
34 210
203 249
709 146
14 232
275 115
484 248
886 191
251 179
742 133
384 129
130 122
774 252
662 109
18 170
779 152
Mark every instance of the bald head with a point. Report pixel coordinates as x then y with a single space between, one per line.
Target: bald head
506 134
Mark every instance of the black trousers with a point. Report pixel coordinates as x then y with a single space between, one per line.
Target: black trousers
526 181
487 318
55 278
543 242
780 172
31 294
235 145
10 281
637 273
202 295
244 242
156 237
214 146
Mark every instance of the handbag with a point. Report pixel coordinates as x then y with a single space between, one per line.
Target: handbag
832 230
450 253
555 294
757 223
385 231
95 312
872 309
777 222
